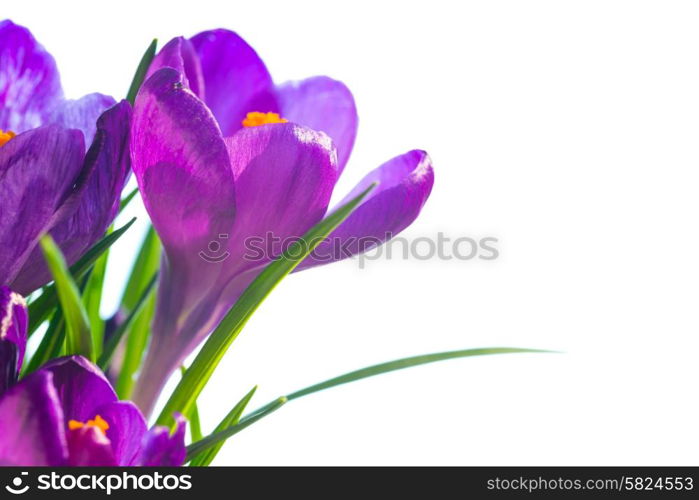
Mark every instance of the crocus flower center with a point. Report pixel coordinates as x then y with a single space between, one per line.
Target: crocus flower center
5 136
255 119
97 422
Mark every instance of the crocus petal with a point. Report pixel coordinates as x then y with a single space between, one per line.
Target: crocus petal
29 81
161 449
176 143
127 428
323 104
38 169
296 169
405 183
32 423
108 164
89 447
81 387
236 80
81 114
109 161
179 54
13 335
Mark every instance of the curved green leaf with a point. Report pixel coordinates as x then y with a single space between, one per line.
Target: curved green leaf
207 456
209 442
141 71
113 342
78 336
127 199
50 346
219 436
92 298
146 266
401 364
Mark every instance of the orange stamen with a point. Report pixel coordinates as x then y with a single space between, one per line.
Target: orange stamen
255 119
6 136
97 422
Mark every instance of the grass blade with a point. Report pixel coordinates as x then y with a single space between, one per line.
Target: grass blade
41 308
136 342
127 199
207 456
400 364
219 437
78 336
193 417
195 424
141 71
51 345
199 373
92 298
113 342
212 440
146 266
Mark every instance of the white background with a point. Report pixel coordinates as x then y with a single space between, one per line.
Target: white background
568 130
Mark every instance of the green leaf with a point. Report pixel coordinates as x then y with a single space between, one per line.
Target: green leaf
218 437
92 298
44 305
53 343
212 440
113 342
400 364
145 267
199 373
127 199
141 71
78 336
195 424
136 343
50 346
207 456
193 417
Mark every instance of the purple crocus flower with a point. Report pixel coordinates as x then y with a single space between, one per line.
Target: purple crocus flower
13 336
222 156
66 413
48 183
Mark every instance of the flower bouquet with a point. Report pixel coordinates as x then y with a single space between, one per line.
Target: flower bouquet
236 173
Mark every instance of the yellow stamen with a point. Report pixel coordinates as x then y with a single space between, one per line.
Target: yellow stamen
6 136
98 422
255 119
